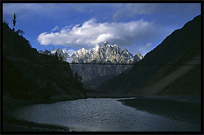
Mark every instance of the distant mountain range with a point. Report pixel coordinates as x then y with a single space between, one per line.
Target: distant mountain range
173 67
94 75
106 54
167 69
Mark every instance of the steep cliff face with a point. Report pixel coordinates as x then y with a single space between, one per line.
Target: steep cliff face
106 53
93 74
99 63
108 56
29 75
168 57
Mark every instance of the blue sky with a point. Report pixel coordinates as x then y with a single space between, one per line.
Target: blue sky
139 27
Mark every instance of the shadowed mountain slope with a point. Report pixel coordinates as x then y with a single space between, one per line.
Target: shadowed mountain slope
174 52
29 75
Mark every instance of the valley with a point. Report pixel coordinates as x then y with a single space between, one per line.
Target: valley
99 63
109 114
103 88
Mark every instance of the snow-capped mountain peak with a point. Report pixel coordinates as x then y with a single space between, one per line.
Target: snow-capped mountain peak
106 42
103 54
96 48
64 51
106 53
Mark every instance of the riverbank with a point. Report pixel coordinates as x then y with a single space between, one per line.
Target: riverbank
184 108
13 125
175 107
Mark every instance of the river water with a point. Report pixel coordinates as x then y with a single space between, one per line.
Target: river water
99 114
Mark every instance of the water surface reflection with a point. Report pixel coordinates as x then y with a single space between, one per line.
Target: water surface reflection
101 114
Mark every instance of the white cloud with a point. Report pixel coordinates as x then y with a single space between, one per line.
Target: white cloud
55 28
27 8
91 32
91 10
26 11
70 51
131 10
80 8
143 49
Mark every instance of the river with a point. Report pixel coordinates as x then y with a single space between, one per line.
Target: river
99 114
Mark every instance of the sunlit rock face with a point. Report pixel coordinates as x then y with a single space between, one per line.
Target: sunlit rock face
94 74
106 53
109 55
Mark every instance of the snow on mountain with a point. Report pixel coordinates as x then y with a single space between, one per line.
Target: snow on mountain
138 57
70 59
93 75
60 53
106 53
96 48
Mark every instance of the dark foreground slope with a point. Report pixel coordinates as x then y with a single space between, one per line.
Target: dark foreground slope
28 75
185 108
182 46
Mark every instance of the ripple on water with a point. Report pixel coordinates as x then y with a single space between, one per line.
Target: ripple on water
101 114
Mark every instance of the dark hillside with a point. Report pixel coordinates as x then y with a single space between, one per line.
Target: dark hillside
29 75
179 47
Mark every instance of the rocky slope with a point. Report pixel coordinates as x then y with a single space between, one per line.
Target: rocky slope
106 53
28 75
93 74
99 63
173 54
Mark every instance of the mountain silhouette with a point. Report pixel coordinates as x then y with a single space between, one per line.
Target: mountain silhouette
176 51
29 75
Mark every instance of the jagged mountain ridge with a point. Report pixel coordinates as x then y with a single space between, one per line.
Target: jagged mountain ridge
106 53
59 52
94 75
